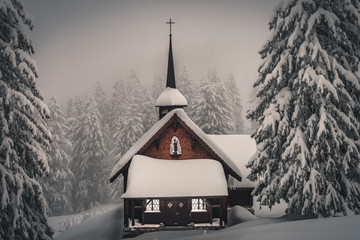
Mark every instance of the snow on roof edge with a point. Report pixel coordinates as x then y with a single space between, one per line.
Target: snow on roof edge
143 183
156 127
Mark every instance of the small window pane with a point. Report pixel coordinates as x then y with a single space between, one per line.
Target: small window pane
198 205
152 205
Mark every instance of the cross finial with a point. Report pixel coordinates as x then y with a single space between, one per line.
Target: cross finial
170 22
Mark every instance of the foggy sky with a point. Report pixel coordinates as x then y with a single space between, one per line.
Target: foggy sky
79 42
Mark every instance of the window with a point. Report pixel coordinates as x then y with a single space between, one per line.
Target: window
175 147
198 205
152 205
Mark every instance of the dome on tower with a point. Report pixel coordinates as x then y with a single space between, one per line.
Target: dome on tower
171 97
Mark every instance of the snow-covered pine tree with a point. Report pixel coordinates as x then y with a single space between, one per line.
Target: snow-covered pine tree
307 106
135 116
118 110
105 118
187 87
232 91
102 103
148 111
57 185
88 164
131 127
211 110
73 111
74 108
157 87
22 135
253 124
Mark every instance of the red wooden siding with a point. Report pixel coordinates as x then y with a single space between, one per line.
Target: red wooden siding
191 149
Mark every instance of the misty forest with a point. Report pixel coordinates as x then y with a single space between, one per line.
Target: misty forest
304 116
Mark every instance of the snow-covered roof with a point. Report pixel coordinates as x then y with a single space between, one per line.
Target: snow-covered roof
240 148
158 178
171 97
157 126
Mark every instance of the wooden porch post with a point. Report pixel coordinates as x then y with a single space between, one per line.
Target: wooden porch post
211 212
142 212
132 212
221 212
125 176
225 210
126 213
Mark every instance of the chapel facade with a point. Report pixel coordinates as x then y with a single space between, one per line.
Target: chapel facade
175 174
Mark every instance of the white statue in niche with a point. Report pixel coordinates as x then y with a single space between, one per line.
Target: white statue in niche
175 147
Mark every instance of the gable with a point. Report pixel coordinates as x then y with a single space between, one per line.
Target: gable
191 148
151 139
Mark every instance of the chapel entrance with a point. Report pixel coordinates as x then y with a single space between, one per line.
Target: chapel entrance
177 213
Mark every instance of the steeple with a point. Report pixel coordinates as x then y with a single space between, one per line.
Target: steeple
170 80
170 98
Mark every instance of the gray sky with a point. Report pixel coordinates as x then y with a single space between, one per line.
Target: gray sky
79 42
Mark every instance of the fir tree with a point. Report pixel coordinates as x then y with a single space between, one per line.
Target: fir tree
22 135
252 102
157 87
118 110
74 108
308 109
211 110
102 103
131 127
58 184
233 93
187 87
89 165
136 115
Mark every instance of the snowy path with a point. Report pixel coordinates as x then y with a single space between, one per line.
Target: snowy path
107 226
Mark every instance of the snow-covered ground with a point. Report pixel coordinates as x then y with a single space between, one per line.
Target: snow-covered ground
267 225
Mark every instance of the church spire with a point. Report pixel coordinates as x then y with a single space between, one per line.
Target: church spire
170 98
170 80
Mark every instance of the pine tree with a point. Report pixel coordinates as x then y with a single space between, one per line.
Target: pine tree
118 110
233 93
187 87
22 135
136 115
74 108
211 110
157 87
252 101
131 127
102 103
89 165
58 184
307 107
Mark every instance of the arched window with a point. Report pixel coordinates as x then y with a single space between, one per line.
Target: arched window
175 147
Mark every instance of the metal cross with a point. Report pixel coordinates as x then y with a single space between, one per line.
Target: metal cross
170 24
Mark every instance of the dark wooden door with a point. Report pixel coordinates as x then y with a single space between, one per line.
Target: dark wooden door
177 213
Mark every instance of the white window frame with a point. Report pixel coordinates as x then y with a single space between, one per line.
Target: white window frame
198 205
152 205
